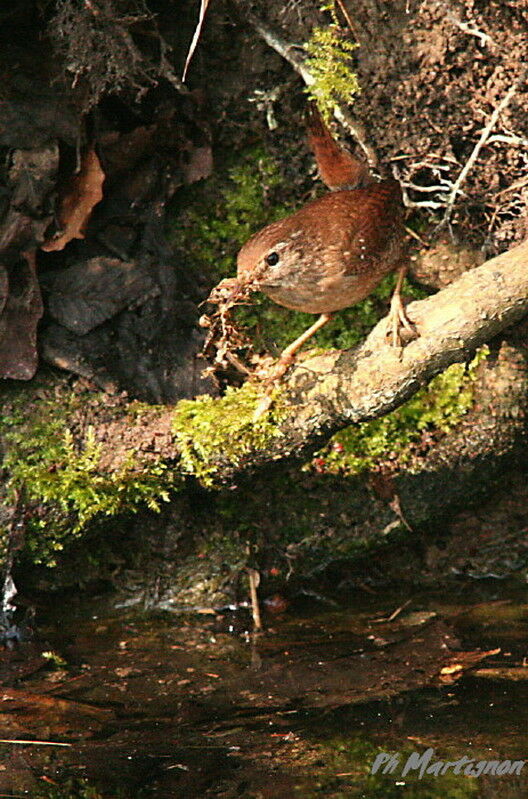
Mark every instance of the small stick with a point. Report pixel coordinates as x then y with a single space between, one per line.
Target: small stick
254 580
393 615
484 136
32 743
348 18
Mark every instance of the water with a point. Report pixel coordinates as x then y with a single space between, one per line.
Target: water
194 706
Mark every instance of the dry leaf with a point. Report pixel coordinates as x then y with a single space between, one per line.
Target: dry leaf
462 662
76 205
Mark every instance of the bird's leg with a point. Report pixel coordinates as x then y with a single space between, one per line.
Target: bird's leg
397 318
287 356
285 361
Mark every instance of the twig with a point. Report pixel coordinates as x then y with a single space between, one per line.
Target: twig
254 580
287 51
519 184
465 27
484 136
393 615
516 141
426 189
415 235
282 47
407 201
166 69
348 18
32 743
485 38
196 37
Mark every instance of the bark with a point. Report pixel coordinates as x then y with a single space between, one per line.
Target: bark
338 520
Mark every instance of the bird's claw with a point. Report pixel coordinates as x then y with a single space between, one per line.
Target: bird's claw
400 329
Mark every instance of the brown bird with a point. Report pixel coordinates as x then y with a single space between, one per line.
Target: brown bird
334 251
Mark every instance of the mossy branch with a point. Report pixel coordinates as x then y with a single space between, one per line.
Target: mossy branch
342 91
325 393
96 461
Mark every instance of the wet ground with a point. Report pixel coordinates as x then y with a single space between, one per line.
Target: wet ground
107 704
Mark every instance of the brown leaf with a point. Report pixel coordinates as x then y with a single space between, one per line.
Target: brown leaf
76 205
461 662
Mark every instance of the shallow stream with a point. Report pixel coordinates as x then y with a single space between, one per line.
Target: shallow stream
113 704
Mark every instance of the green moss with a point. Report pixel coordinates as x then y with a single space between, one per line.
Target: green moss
53 467
353 758
272 327
218 216
438 407
328 62
208 431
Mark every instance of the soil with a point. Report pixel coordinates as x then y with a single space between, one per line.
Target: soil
431 75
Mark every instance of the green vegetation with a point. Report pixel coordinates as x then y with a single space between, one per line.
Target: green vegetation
438 407
328 62
54 660
53 467
207 430
353 759
220 214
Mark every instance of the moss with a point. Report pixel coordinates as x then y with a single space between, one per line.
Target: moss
208 431
53 466
438 407
353 758
328 62
53 463
217 217
273 327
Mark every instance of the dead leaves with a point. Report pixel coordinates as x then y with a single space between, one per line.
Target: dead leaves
77 203
223 337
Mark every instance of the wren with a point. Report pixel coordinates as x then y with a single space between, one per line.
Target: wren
334 251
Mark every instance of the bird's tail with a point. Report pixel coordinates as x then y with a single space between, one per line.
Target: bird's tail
338 168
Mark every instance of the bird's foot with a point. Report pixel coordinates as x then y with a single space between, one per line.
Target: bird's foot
400 329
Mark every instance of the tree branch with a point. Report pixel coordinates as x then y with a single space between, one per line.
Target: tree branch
327 392
134 454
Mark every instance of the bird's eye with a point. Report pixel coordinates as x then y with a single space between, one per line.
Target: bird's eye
272 259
